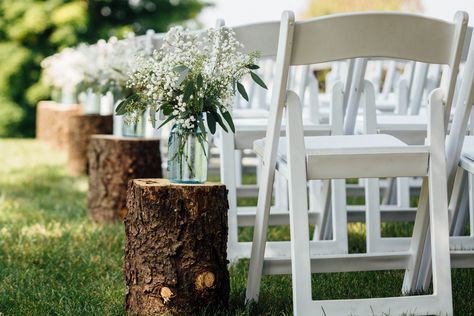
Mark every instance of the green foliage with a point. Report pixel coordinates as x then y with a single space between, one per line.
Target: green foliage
11 116
33 29
56 261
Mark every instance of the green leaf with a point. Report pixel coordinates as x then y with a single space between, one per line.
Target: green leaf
242 91
258 80
218 119
201 124
181 69
167 109
252 66
188 91
226 115
202 138
183 74
199 81
122 107
211 123
166 121
153 116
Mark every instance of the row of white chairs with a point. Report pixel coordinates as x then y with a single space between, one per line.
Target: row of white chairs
307 143
369 154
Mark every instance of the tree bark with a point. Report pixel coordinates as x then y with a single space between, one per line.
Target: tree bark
176 247
81 127
113 161
52 123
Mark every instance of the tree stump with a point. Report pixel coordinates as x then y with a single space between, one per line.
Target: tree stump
81 127
52 123
113 161
176 247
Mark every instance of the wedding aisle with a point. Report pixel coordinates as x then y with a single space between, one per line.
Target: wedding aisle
55 261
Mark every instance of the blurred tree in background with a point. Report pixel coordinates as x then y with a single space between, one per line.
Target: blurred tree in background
325 7
33 29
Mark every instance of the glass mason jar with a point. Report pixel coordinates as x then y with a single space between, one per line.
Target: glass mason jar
68 96
92 102
56 95
134 129
187 156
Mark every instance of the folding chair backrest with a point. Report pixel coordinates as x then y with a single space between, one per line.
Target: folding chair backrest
363 35
389 35
261 37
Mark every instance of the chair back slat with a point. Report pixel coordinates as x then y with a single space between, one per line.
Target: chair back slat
389 35
261 37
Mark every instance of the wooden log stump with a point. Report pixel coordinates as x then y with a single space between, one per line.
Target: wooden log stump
176 247
113 161
81 127
52 122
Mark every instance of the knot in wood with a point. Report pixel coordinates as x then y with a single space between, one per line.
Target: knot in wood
166 294
205 280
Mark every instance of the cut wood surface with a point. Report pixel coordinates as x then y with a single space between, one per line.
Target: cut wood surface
176 247
81 127
52 123
113 161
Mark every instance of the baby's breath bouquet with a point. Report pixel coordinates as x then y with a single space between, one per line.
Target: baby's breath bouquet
192 81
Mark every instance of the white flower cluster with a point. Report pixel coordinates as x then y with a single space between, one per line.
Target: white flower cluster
73 67
192 73
100 66
120 60
64 70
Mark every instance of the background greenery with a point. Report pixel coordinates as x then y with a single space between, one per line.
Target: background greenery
33 29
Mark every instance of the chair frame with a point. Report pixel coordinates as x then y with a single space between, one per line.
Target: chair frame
296 48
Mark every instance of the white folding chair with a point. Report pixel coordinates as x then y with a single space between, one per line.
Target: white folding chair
262 37
414 37
416 127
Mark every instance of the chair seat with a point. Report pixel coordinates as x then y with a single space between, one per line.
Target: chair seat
249 113
411 129
327 156
251 129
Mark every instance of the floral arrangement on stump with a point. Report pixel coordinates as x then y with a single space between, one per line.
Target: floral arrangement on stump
87 72
192 81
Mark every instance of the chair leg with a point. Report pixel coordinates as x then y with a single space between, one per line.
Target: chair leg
420 230
227 172
339 214
298 204
439 226
315 202
458 208
471 204
325 228
372 215
459 202
260 234
403 192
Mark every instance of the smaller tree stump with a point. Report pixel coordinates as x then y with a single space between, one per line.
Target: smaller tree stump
81 127
52 122
113 161
176 247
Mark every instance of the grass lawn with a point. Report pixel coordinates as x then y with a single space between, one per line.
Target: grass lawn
55 261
